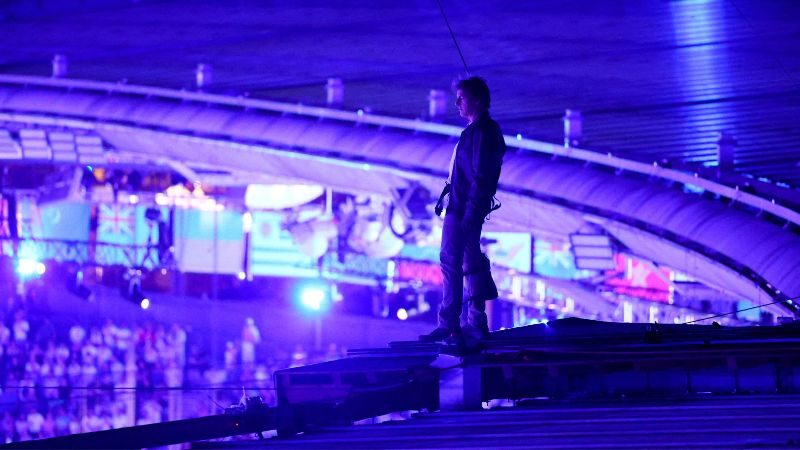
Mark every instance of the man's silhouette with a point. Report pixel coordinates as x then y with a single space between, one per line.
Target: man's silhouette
474 173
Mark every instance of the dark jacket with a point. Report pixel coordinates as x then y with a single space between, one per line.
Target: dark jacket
476 170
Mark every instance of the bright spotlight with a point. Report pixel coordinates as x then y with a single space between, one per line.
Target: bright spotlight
145 303
30 268
313 298
402 314
242 276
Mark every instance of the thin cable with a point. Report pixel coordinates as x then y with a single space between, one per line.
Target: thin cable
447 22
146 389
741 310
215 402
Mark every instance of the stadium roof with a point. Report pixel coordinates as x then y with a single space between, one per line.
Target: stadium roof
654 80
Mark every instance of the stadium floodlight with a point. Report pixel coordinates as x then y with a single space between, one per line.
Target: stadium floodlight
314 297
402 314
30 268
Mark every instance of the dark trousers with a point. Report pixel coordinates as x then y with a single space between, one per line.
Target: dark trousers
461 252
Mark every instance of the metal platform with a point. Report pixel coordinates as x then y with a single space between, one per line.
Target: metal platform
698 423
576 358
584 384
355 388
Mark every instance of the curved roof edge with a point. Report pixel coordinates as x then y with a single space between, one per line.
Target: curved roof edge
362 117
271 141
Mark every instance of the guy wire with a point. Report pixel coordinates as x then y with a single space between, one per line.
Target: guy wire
447 22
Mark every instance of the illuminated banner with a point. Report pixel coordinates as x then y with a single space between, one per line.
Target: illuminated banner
641 279
419 253
209 241
356 265
273 251
511 250
753 315
426 273
554 260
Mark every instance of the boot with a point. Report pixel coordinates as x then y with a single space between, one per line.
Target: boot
439 334
476 333
478 281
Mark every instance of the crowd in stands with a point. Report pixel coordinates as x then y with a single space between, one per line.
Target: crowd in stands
60 377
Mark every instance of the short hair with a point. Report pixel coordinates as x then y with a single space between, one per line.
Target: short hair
477 88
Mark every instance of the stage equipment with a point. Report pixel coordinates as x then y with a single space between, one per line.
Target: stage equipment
280 196
592 251
313 236
334 91
203 75
437 103
60 66
726 150
132 288
77 286
573 128
63 184
410 214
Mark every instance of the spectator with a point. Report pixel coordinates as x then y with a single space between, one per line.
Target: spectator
21 428
76 335
109 333
230 355
21 327
251 337
35 421
5 333
61 421
299 356
8 428
48 426
178 339
46 333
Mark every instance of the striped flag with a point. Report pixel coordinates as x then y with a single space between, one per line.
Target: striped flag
274 252
209 241
58 222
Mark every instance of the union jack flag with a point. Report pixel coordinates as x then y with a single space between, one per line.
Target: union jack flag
116 224
554 259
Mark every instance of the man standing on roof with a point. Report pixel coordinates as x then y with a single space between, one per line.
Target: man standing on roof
474 173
